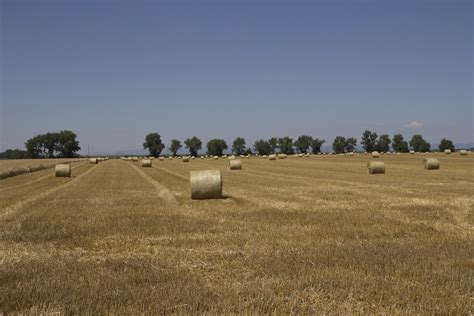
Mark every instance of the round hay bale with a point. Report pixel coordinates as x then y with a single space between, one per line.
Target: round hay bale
192 157
170 158
235 164
202 157
431 163
272 157
463 152
206 184
146 163
231 157
374 167
135 159
447 151
264 156
375 154
93 161
161 159
62 170
412 152
282 156
215 157
185 159
350 154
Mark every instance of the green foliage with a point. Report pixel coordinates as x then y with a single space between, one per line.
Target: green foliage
399 145
369 140
67 145
62 144
215 147
316 145
418 144
194 145
351 144
383 143
14 154
273 144
286 145
175 146
262 147
303 143
238 147
446 144
339 144
154 144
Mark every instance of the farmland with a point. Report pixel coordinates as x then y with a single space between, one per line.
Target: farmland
298 235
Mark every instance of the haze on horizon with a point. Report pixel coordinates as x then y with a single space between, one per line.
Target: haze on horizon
113 71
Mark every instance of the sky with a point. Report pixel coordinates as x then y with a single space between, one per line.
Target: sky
113 71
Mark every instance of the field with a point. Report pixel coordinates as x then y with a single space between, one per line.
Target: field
299 235
13 167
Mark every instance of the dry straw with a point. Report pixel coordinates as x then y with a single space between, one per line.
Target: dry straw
431 163
235 164
375 154
447 151
62 170
463 152
272 157
93 161
206 184
412 152
282 156
215 158
161 159
374 167
146 163
185 159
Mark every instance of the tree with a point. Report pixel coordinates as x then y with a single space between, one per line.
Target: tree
303 143
215 147
316 145
446 144
262 147
238 147
34 146
351 144
50 143
175 146
339 144
419 144
154 144
399 145
286 145
67 144
273 144
194 145
369 141
14 154
383 143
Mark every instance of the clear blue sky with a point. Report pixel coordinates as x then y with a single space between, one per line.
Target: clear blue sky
112 71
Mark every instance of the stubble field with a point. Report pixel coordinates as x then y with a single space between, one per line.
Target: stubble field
299 235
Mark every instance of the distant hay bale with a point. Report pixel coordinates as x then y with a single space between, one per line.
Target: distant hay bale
300 155
463 152
374 167
282 156
161 159
264 156
185 159
307 155
375 154
215 157
431 163
93 161
135 159
192 157
202 157
206 184
62 170
146 163
235 164
170 158
272 157
412 152
350 154
231 157
447 151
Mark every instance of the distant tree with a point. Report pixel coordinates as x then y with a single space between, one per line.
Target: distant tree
273 144
446 144
316 145
238 147
369 141
34 146
215 147
262 147
154 144
339 144
399 145
67 145
14 154
194 145
383 143
303 143
418 144
351 144
286 145
175 145
248 151
50 143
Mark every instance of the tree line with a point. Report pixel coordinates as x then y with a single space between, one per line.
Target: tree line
370 141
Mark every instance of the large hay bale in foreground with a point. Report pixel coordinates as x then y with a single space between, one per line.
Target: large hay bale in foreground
93 161
206 184
185 159
272 157
463 152
62 170
447 151
375 154
235 164
146 163
431 163
374 167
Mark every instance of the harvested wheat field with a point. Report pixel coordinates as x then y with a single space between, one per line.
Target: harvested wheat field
319 235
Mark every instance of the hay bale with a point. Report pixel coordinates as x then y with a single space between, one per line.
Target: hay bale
215 157
272 157
235 164
192 157
431 163
170 158
135 159
231 157
93 161
375 154
146 163
264 156
185 159
206 184
412 152
161 159
282 156
62 170
463 152
374 167
202 157
350 154
447 151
